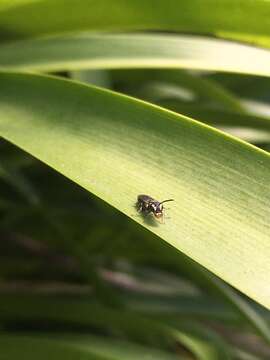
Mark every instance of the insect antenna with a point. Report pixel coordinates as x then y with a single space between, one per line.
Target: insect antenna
166 201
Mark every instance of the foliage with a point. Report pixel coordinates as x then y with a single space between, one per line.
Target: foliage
165 112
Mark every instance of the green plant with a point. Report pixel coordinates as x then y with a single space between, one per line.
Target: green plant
122 113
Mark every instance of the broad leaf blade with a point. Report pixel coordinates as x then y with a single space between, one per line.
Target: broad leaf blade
117 147
88 51
248 17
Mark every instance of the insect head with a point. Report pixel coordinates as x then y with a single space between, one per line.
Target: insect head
147 205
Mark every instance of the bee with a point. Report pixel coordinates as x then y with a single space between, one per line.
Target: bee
147 205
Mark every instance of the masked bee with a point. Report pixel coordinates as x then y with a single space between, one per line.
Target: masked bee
147 205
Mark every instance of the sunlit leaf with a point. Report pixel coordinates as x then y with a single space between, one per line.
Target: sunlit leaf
134 50
221 209
248 19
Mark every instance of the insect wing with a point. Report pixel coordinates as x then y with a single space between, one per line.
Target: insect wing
144 198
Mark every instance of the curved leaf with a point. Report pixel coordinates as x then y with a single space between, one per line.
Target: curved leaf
75 347
147 330
149 84
134 50
259 125
117 147
247 17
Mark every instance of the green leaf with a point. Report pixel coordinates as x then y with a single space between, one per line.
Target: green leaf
134 50
143 329
248 17
211 284
19 183
259 125
200 344
241 305
117 147
7 4
75 347
149 84
27 347
115 349
243 355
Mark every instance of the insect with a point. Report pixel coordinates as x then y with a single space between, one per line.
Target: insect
147 205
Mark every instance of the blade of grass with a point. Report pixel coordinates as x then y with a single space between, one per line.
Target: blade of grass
86 51
112 145
151 331
20 183
76 347
222 119
202 89
247 17
242 305
30 347
115 349
30 307
213 285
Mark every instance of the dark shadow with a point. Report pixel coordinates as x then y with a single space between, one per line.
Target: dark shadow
148 219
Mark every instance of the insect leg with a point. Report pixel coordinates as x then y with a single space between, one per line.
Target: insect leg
139 207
